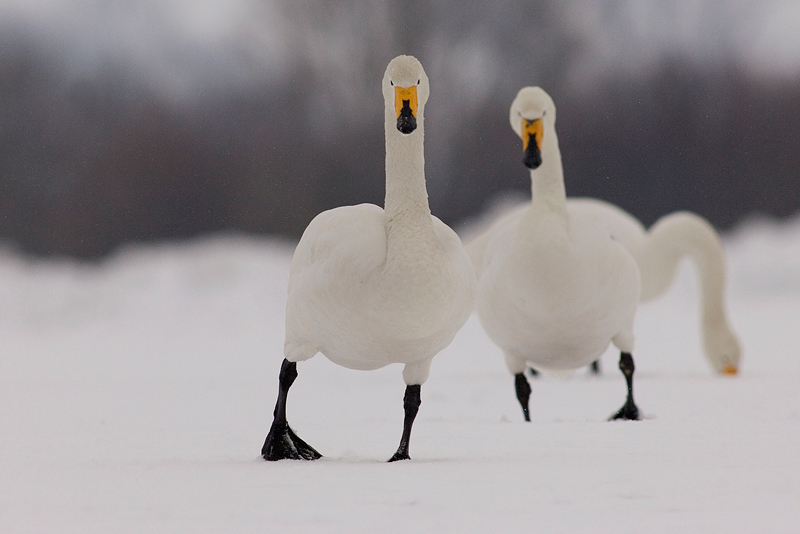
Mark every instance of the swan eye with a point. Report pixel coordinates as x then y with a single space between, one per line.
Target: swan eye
391 82
419 81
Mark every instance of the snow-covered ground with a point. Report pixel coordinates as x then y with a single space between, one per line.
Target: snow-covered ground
135 395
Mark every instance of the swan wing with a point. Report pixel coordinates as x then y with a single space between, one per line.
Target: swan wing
621 225
477 247
462 267
339 250
342 243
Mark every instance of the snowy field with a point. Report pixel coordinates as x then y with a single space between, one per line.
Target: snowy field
135 395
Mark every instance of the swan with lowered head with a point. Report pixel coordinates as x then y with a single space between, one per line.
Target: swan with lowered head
554 287
369 286
658 252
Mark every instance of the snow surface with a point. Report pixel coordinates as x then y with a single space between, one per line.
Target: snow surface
135 395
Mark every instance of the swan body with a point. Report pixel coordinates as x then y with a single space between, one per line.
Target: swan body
370 286
554 291
658 252
363 309
554 287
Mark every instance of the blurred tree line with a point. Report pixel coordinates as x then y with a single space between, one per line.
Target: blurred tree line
90 162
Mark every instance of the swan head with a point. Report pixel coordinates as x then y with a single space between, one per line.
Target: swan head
722 348
405 90
532 114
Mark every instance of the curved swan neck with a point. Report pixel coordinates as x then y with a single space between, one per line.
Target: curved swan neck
683 234
406 194
547 181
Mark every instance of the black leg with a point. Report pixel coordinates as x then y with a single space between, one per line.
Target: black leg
281 442
629 410
411 402
595 367
533 372
523 393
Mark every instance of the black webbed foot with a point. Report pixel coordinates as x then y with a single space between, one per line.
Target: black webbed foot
628 412
283 444
399 455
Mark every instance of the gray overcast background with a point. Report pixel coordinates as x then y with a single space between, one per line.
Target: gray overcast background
133 121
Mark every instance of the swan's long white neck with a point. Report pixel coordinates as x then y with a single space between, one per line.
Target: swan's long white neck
411 242
683 234
547 181
406 194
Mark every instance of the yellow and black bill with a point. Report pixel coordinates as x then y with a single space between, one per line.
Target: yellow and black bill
405 105
532 131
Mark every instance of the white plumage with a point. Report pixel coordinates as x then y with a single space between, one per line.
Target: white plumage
364 304
369 286
658 252
554 286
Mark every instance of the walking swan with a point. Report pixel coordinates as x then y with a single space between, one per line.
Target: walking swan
554 286
369 286
658 253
